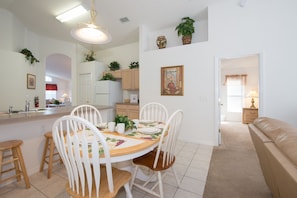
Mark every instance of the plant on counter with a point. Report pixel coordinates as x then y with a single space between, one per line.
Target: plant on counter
90 56
113 66
29 56
108 76
129 124
134 65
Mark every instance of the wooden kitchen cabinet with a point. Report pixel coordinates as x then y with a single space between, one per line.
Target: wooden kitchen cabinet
130 79
116 74
249 115
130 110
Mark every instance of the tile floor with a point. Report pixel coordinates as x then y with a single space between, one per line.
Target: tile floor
192 167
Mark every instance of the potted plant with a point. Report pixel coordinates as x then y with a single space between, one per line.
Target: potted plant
113 66
129 124
134 65
186 29
90 56
108 76
29 55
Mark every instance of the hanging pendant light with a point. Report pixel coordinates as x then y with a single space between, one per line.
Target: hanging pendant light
90 32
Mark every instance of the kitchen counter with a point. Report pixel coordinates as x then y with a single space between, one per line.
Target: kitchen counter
6 118
31 127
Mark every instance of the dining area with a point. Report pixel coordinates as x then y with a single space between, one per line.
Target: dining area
91 150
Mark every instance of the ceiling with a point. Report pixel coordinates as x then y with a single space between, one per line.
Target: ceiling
39 16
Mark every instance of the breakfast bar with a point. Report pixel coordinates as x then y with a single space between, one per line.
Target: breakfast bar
31 127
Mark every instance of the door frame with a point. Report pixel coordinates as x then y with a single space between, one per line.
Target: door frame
217 89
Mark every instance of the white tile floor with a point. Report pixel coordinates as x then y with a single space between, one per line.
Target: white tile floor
192 167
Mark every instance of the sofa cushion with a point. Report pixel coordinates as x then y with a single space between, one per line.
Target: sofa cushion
268 127
287 144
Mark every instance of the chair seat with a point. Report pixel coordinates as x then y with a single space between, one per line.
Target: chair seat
120 177
148 161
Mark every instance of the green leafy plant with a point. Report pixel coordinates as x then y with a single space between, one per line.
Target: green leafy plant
113 66
90 56
29 56
134 65
186 29
129 124
108 76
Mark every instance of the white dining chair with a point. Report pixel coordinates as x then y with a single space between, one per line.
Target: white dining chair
81 149
160 159
88 112
153 111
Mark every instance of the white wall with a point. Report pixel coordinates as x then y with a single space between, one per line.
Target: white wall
124 55
14 37
263 27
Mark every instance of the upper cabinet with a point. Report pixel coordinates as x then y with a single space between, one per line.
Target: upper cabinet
116 74
130 79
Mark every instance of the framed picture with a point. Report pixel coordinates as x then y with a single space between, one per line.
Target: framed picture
31 81
172 80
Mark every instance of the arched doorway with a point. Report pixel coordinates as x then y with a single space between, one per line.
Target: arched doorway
58 68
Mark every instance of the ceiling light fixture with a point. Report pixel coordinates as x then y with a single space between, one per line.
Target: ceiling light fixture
71 14
90 32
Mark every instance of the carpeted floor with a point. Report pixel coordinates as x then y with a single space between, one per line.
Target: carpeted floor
234 170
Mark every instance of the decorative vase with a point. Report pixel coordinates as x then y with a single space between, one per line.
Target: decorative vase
161 42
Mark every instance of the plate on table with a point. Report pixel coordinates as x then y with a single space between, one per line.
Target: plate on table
149 130
145 121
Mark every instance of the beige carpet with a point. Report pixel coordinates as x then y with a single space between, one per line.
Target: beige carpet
234 170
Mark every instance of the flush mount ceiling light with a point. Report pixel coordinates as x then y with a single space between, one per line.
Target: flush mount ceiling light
71 14
90 32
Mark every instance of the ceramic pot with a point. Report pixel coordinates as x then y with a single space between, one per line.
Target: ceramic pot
161 42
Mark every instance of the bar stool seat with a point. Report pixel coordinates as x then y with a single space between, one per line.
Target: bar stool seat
50 154
10 153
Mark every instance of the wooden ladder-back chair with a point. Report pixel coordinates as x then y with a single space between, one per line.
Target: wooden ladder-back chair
160 159
154 111
88 112
81 146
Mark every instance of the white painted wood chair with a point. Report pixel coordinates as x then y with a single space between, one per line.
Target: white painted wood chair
154 111
160 159
80 151
88 112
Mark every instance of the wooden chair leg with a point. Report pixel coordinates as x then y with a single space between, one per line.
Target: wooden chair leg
16 162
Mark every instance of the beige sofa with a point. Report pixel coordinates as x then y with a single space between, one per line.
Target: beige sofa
276 145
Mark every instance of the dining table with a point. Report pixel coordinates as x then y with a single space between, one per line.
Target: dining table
133 143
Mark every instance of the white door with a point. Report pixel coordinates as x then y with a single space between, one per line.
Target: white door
85 89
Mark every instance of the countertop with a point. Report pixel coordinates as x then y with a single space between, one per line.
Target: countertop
6 118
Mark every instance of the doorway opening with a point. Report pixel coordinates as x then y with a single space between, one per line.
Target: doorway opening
238 86
58 69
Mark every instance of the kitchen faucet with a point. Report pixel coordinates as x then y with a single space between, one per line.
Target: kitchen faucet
27 106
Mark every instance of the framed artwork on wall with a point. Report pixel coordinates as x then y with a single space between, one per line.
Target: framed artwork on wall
172 80
31 81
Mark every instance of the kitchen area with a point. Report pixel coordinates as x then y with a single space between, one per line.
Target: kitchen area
121 93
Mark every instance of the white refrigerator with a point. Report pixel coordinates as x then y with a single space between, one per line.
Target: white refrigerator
108 93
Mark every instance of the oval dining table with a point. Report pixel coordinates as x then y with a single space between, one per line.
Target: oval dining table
133 144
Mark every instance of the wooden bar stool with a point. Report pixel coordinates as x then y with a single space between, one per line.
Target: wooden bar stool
49 153
10 153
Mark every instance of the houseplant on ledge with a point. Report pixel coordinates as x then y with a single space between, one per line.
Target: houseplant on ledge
108 76
29 56
186 29
113 66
